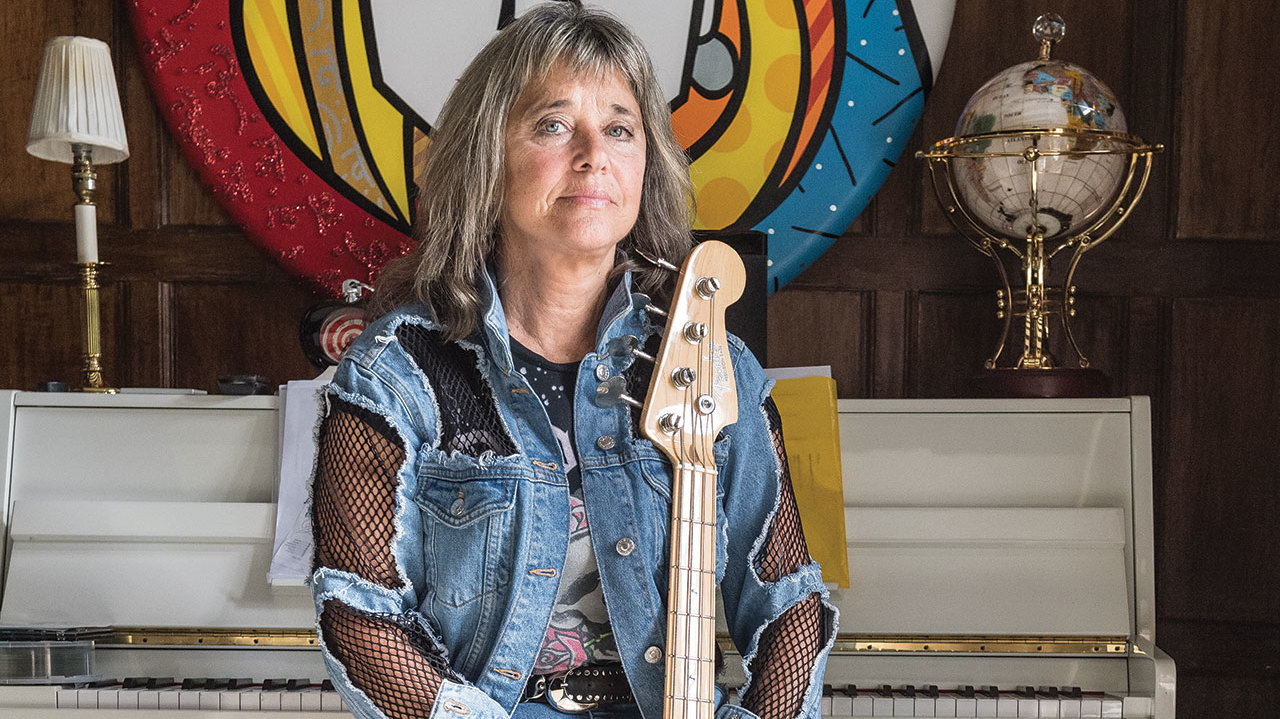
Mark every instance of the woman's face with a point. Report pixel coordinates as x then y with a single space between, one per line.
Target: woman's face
575 154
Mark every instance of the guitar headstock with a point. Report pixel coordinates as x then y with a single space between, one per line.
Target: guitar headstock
692 395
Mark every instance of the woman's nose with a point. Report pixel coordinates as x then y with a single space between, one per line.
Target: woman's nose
590 152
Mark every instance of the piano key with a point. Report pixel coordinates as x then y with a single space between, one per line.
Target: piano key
1112 707
862 702
1028 704
882 702
1006 705
1138 706
842 704
827 693
904 702
330 701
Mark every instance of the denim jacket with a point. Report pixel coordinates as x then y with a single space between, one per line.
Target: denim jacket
480 540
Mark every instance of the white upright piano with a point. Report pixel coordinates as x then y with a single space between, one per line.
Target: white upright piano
1001 555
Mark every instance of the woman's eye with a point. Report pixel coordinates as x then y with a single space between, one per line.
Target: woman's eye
619 131
552 127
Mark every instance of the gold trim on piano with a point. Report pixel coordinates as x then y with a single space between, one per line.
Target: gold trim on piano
189 636
948 644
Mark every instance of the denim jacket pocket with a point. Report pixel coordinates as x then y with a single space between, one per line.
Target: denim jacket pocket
466 530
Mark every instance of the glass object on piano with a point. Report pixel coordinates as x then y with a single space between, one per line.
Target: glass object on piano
1041 163
50 661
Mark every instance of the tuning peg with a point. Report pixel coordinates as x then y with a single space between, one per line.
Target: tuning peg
656 261
628 345
706 287
612 391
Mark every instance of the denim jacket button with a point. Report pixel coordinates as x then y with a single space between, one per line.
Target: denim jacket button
653 654
605 442
625 546
602 372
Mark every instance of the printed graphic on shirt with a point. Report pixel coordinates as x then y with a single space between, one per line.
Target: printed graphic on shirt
579 631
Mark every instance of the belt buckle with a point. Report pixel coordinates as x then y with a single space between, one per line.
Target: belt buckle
558 698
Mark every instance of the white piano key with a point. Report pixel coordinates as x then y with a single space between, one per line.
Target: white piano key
1028 708
168 699
925 707
881 706
841 705
109 698
1112 707
862 705
86 699
903 706
1069 708
1091 707
826 704
127 698
250 701
67 699
270 701
148 699
944 706
967 707
330 702
290 701
1050 708
209 699
311 700
987 707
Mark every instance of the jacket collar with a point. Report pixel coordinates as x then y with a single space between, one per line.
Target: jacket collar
619 317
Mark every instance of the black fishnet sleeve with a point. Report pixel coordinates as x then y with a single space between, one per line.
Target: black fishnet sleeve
789 647
392 658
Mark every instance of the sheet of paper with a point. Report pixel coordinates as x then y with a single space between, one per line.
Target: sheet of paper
291 553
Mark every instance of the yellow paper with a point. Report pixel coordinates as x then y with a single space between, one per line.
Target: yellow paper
811 430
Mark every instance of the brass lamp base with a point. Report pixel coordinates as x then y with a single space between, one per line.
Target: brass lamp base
1058 382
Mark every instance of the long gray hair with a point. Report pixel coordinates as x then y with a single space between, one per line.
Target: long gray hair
462 190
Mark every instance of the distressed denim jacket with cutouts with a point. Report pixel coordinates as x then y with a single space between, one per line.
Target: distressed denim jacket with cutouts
480 539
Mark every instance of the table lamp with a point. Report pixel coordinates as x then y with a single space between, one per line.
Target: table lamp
76 119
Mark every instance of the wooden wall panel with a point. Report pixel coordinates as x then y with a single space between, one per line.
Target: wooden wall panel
824 328
1221 496
44 335
254 328
954 334
1225 135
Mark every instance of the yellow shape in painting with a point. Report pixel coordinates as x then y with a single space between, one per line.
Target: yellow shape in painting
266 31
764 118
719 199
382 123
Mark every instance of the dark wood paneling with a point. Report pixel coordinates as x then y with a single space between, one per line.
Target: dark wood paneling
954 334
44 337
823 328
1221 497
254 328
1226 187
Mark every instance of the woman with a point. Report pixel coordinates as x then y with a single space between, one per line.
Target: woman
483 529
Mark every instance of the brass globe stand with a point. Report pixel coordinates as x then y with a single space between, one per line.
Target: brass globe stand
1037 302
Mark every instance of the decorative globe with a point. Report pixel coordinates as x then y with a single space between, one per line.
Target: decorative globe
1045 112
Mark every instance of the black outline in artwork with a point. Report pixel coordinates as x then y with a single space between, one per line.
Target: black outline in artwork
915 40
899 104
741 73
871 67
281 130
820 233
353 110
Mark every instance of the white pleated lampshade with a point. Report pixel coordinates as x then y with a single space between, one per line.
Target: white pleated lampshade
77 103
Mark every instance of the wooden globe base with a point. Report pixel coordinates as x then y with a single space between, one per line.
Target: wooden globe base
1042 383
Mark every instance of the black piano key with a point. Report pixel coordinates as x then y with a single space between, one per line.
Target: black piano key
135 682
299 684
240 683
930 691
217 684
991 692
327 685
160 682
885 690
1071 692
269 685
908 691
1027 692
828 690
851 689
966 691
192 683
1050 692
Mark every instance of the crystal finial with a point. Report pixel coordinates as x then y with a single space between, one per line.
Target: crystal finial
1049 29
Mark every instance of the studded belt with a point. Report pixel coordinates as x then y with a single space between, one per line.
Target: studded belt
580 688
